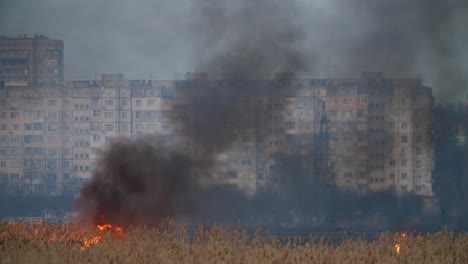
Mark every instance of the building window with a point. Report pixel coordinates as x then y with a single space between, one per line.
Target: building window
95 150
404 163
124 102
95 126
150 101
96 138
404 175
3 115
246 163
3 152
138 114
404 139
52 127
66 151
124 127
33 139
52 115
391 175
418 139
3 164
418 164
52 164
404 125
51 152
14 115
361 113
109 127
109 102
404 188
108 114
403 151
52 102
138 102
362 175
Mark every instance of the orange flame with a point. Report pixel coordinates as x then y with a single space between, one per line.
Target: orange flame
398 245
102 228
397 248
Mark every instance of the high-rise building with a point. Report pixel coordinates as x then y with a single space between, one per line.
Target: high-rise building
363 134
379 132
31 61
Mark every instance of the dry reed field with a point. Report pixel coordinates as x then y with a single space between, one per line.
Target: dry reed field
36 242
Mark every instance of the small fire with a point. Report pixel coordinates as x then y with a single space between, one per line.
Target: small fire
397 248
398 245
102 228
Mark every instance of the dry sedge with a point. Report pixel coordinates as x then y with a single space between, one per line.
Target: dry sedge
36 242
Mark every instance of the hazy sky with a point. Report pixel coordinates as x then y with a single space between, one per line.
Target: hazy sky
340 37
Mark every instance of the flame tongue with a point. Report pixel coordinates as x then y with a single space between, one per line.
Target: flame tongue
102 228
398 245
397 248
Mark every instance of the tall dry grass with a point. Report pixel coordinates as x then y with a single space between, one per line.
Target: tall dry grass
170 243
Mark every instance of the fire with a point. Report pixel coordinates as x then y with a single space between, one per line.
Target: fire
397 248
102 228
398 245
88 242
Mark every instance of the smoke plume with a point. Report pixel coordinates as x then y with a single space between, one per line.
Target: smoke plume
143 180
136 182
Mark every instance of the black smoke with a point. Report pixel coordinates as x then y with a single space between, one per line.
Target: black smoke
136 182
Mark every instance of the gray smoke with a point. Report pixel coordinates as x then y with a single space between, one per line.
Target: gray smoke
244 42
143 180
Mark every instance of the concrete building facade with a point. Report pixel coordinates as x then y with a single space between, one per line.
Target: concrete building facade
368 134
379 132
31 61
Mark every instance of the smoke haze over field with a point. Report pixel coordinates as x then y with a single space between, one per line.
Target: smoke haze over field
401 38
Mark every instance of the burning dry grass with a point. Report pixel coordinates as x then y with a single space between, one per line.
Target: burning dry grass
169 243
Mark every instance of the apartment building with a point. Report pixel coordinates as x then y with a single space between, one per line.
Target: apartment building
31 61
379 132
